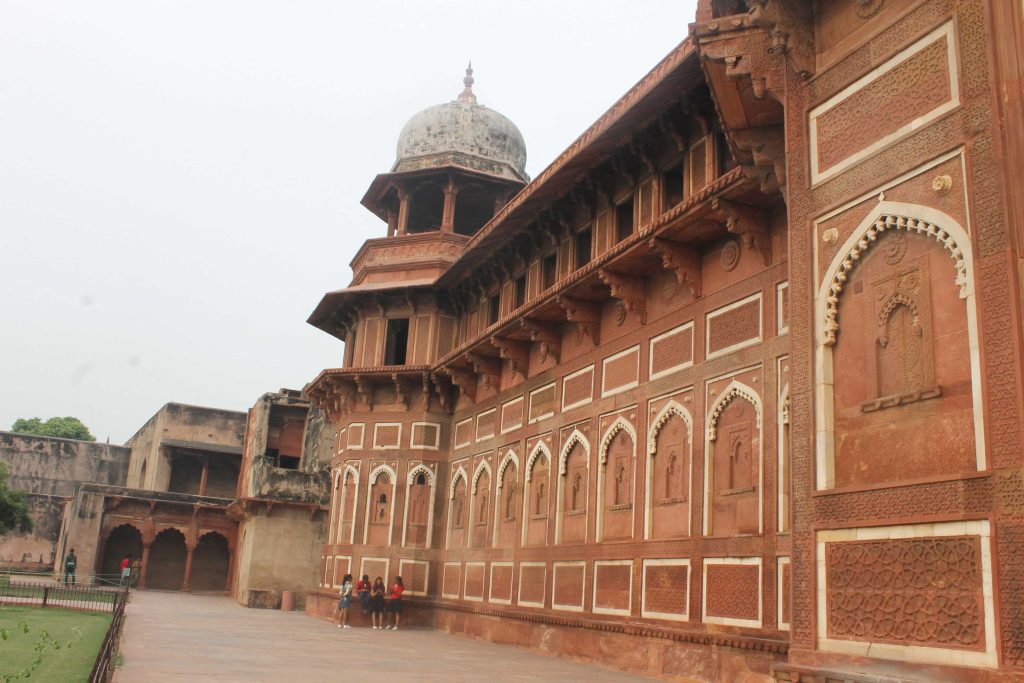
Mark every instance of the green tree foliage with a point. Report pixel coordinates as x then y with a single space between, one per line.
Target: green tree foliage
63 427
13 506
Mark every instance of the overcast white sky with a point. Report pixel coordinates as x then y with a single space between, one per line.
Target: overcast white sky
180 181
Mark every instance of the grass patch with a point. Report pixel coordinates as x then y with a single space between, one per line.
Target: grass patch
69 664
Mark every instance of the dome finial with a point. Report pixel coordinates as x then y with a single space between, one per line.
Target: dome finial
467 93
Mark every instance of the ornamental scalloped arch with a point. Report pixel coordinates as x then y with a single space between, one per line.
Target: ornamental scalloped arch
483 466
884 217
539 449
380 469
417 470
620 424
510 457
889 216
671 408
460 473
735 390
350 470
575 438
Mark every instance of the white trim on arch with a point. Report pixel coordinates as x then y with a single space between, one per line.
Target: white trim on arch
482 466
432 482
671 408
370 481
460 473
576 437
884 216
734 390
538 450
499 483
620 424
345 472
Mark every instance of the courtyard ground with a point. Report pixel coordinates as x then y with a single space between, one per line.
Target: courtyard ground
182 637
84 631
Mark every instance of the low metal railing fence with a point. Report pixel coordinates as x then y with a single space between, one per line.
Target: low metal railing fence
103 668
54 594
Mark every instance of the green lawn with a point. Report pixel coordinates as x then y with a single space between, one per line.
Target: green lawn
66 665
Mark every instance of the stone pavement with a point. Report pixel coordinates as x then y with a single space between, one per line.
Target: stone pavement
182 637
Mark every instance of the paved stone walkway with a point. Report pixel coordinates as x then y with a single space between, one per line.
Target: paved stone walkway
181 637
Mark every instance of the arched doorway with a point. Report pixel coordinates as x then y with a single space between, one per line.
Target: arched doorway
122 540
166 567
210 563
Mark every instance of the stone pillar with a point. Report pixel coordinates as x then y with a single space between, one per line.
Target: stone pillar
186 585
403 211
392 222
143 565
448 214
205 476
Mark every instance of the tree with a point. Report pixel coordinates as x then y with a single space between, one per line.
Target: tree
13 506
63 427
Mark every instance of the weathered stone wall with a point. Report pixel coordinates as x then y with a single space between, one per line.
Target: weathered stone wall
49 470
279 551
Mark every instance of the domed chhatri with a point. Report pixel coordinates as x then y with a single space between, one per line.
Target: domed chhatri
463 133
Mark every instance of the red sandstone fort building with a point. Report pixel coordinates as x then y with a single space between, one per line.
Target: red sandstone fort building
731 391
733 388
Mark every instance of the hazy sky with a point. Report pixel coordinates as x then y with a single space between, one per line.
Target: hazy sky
180 181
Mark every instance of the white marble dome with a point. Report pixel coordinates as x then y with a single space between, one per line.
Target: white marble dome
463 133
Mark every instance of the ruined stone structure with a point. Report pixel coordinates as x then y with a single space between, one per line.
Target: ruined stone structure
206 499
732 390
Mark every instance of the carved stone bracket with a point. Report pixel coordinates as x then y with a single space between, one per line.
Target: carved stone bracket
546 335
630 290
516 352
403 392
364 390
465 381
487 368
750 223
586 315
444 393
683 260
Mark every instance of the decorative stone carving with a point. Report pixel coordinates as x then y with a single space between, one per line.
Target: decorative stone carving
883 223
722 402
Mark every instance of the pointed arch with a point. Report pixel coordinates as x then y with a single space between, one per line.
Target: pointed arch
671 408
460 473
378 470
620 424
480 469
575 438
538 450
736 389
418 469
346 474
431 482
510 457
884 217
370 482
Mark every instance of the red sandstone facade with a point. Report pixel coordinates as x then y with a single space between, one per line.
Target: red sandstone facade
733 389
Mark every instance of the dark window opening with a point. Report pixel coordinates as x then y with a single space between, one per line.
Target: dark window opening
519 287
396 341
724 161
550 268
474 206
584 243
287 462
672 188
493 309
624 220
426 206
421 479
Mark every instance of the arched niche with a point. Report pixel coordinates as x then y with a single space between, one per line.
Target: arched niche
615 489
458 512
380 505
733 463
537 498
669 473
897 301
573 490
507 500
419 507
